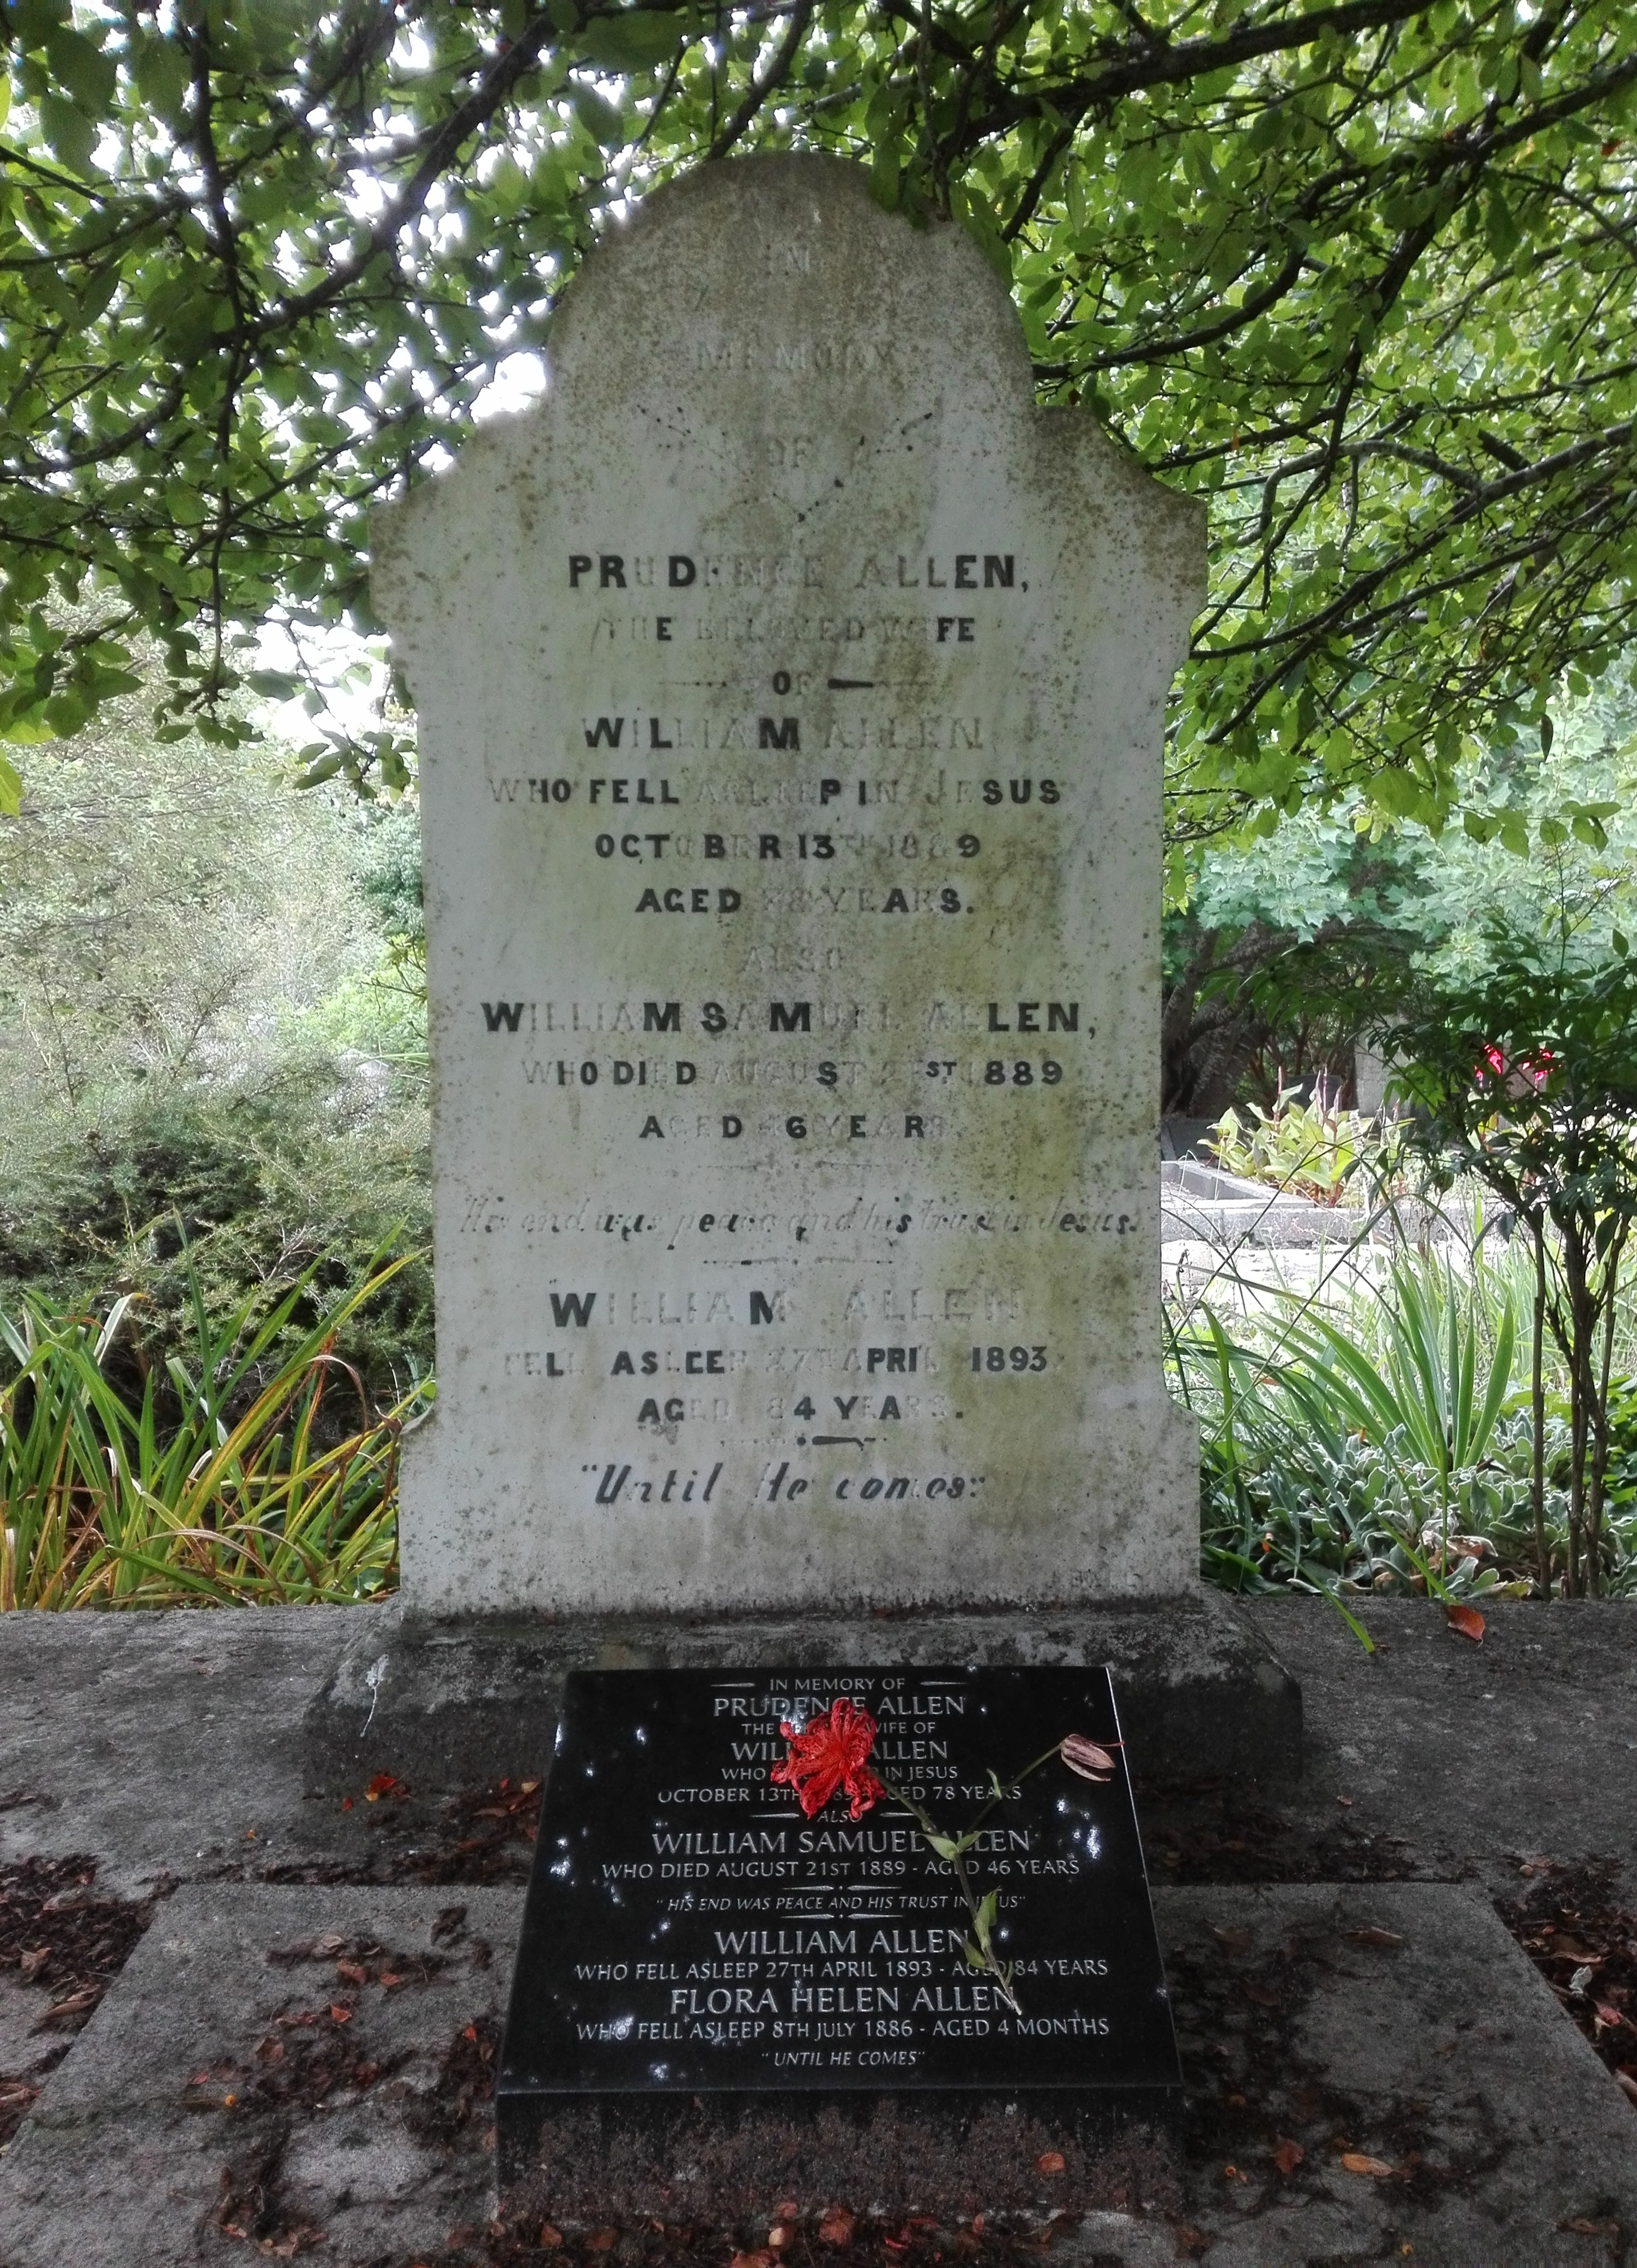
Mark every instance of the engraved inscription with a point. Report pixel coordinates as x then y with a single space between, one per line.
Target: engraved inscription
791 696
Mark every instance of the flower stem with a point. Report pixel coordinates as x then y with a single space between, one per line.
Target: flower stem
980 1953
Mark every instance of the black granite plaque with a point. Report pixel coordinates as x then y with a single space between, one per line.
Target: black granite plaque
691 1931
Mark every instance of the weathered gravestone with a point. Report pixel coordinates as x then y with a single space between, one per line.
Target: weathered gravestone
922 1968
790 692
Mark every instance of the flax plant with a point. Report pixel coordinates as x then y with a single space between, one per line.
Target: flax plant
222 1486
1368 1444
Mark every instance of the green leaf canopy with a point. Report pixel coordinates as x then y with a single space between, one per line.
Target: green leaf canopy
1366 273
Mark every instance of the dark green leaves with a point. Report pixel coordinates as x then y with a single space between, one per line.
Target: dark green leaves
82 69
1377 298
160 71
629 40
69 134
599 116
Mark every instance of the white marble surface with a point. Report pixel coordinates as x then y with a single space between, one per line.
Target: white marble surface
788 567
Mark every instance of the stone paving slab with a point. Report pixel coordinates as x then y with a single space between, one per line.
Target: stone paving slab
156 1742
1397 2022
1524 1744
186 2116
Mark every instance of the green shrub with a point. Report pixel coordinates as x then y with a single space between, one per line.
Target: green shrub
199 1194
1525 1079
212 1051
1388 1444
1311 1149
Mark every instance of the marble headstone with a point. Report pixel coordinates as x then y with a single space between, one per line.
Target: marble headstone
791 691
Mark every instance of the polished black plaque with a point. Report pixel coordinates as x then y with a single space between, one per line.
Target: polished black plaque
689 1930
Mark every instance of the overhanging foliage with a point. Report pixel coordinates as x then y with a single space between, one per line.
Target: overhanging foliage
1366 273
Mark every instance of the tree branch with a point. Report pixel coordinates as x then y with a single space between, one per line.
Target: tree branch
760 89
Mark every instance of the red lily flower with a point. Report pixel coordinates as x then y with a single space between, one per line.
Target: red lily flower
827 1754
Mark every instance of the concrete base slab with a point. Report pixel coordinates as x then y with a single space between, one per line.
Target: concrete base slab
1370 2067
155 1741
1201 1690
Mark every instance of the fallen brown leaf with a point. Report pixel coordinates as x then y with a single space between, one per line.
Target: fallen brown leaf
1049 2162
549 2238
1356 2163
760 2258
1086 1758
836 2227
1467 1621
293 2240
604 2240
76 2005
71 1899
1237 1942
1288 2156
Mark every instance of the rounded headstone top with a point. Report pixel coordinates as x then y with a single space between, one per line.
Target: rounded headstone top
761 334
784 268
